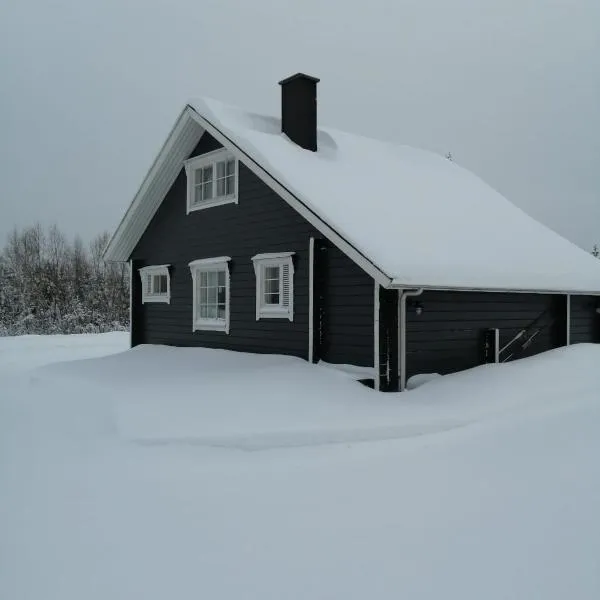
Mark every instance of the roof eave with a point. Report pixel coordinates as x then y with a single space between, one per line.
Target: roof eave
514 290
124 238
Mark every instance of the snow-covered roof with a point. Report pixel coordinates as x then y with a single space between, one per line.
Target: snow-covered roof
415 218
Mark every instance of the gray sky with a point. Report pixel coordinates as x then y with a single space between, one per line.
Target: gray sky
89 90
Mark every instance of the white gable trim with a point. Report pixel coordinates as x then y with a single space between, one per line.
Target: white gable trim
182 139
358 257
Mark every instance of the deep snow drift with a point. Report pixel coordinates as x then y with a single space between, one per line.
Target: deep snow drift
130 476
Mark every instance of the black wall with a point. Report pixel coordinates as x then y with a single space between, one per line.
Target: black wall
585 321
260 222
448 335
348 307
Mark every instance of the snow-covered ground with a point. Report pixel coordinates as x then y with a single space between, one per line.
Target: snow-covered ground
162 473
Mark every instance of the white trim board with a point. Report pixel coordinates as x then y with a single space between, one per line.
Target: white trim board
167 166
311 300
376 357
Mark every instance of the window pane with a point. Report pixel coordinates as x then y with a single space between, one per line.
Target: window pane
221 313
198 194
212 278
162 284
212 295
211 312
198 176
230 185
221 295
220 187
272 286
203 295
230 167
207 192
207 173
220 170
203 276
221 277
272 273
272 298
203 312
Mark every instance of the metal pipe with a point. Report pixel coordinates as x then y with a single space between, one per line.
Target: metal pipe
402 296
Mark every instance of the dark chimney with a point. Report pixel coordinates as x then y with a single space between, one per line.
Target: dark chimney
299 110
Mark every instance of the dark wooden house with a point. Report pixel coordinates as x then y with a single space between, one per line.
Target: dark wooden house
263 234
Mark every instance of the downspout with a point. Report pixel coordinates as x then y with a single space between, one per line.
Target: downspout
131 303
568 332
402 296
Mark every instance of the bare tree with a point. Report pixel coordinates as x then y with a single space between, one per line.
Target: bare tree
48 285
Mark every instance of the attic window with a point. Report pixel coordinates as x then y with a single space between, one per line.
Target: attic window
274 285
211 180
156 284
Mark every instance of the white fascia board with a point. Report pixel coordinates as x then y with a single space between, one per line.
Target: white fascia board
153 268
402 286
209 261
317 222
208 157
136 219
272 255
184 135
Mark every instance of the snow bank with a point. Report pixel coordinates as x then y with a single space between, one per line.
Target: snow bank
23 352
220 398
424 220
505 507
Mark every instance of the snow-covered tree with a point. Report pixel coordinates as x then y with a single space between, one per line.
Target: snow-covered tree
48 285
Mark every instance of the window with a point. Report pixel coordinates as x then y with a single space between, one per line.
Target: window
156 284
210 277
274 285
212 180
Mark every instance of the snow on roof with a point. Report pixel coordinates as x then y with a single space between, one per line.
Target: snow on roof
420 218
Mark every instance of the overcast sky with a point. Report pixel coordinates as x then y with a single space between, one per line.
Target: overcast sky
89 89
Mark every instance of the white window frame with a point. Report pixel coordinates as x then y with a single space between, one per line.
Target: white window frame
280 260
219 263
151 271
206 160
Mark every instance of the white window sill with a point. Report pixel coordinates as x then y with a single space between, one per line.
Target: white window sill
156 299
211 326
212 203
274 313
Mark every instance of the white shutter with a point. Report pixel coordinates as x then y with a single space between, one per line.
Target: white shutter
285 286
149 285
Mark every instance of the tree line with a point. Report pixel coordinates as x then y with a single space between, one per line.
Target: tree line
49 284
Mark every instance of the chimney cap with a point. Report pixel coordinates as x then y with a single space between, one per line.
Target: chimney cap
299 76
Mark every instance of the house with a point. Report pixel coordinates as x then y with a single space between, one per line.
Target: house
266 234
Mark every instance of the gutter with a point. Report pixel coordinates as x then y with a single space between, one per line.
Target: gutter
402 287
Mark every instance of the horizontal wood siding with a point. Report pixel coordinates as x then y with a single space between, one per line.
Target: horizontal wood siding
348 334
261 222
447 336
585 321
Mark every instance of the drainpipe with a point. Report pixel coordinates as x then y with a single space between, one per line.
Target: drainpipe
402 296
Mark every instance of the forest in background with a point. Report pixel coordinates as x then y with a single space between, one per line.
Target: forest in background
49 284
